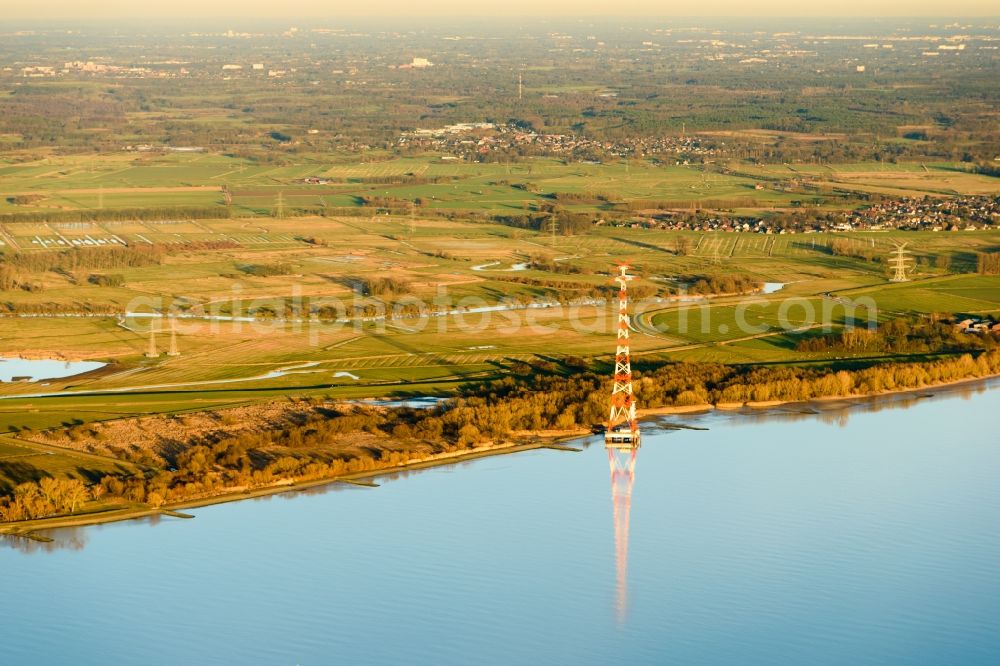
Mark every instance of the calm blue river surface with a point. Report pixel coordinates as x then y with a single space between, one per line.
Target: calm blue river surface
869 535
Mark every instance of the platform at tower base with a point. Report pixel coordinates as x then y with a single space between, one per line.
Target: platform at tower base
621 437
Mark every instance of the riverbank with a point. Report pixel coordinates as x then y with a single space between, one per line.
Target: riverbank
527 440
820 403
29 528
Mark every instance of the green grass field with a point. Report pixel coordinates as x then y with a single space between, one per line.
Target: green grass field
130 180
31 460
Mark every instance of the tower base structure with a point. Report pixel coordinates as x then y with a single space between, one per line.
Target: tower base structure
621 437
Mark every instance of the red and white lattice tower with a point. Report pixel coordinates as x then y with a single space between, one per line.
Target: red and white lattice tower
622 425
621 439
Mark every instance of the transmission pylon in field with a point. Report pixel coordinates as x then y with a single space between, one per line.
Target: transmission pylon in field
280 208
621 439
151 352
553 226
173 339
900 261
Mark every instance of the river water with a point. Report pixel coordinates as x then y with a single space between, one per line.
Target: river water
866 535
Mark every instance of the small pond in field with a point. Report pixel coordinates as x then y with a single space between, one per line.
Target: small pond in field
38 369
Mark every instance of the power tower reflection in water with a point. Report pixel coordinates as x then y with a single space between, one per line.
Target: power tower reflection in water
622 462
621 439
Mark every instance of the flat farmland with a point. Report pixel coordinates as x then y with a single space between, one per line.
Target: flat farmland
699 323
275 306
27 459
895 179
959 294
186 180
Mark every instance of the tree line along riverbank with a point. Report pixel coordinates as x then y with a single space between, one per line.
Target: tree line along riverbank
315 440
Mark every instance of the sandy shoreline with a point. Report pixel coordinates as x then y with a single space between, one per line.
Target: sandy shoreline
541 440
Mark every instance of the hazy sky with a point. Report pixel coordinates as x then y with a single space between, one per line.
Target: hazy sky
331 9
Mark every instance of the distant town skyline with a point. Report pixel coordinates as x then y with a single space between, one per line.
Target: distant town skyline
292 9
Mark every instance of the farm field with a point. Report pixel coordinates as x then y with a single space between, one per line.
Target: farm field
898 179
134 182
240 333
24 459
262 302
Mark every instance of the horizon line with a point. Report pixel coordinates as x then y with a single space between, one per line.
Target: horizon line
535 17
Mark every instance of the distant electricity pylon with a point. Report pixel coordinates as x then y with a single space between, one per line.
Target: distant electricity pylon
553 227
520 87
900 261
280 211
151 352
173 339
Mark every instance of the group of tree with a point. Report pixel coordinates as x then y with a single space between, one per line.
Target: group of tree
86 306
901 336
550 218
46 497
988 263
268 270
12 278
384 286
549 264
20 270
395 204
151 213
84 258
585 197
25 199
722 284
569 291
107 280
